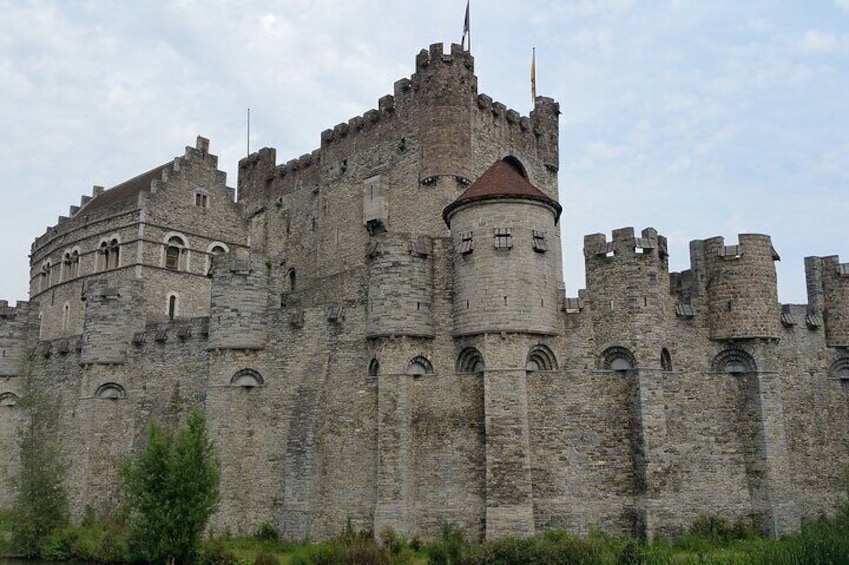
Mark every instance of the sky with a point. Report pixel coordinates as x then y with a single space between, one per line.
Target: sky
699 118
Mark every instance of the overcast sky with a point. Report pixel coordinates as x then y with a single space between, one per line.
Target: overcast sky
699 118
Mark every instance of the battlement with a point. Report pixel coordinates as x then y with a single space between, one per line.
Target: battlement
435 54
827 282
21 308
740 284
625 244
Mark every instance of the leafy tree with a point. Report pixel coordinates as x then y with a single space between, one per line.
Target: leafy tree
172 490
41 502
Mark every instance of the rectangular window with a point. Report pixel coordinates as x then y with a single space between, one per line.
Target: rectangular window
465 246
503 238
201 200
540 243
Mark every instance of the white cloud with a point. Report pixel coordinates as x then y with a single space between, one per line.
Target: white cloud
814 41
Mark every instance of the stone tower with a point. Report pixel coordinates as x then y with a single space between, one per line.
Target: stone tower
506 282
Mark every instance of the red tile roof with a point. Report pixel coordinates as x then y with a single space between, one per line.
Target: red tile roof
501 180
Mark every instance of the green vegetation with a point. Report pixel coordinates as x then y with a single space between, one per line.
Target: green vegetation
709 540
172 490
41 505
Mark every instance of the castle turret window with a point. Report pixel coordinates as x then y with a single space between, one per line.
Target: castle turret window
466 243
540 241
503 238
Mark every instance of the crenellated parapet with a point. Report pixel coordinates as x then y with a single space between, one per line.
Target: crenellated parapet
15 333
627 287
739 282
828 297
114 312
239 304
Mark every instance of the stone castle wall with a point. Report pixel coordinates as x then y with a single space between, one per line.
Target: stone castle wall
345 378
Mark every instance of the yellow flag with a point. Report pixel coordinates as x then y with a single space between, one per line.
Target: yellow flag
534 76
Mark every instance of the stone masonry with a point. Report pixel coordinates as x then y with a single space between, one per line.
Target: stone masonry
378 332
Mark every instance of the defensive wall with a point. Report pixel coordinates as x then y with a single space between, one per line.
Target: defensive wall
395 348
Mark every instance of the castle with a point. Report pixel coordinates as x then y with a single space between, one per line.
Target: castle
378 332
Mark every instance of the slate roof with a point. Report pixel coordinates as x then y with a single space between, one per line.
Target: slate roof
501 180
127 190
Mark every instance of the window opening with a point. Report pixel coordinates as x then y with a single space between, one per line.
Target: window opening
540 242
503 238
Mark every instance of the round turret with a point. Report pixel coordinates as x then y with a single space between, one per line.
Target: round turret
741 287
400 282
506 255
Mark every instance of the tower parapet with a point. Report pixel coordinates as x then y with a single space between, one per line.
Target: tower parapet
14 332
741 286
828 297
239 305
445 86
399 273
627 285
114 312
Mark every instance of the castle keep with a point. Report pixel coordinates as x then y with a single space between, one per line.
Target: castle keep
378 331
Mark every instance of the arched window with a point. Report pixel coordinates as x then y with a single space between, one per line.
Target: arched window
75 264
175 252
8 399
247 378
113 254
66 266
419 366
66 316
110 391
292 279
46 275
839 368
215 249
734 361
470 360
541 358
172 306
373 368
103 256
617 359
665 360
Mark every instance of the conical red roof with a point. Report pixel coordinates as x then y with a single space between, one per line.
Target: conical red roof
501 180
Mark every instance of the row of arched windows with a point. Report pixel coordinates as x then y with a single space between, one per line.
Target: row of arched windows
175 257
470 360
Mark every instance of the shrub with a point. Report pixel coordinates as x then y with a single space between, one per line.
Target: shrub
266 532
172 490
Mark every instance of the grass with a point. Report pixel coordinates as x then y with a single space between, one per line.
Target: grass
709 540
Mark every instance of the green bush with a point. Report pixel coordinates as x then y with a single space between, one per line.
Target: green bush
172 490
266 532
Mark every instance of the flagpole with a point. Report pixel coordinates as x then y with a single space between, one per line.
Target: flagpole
533 76
467 30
